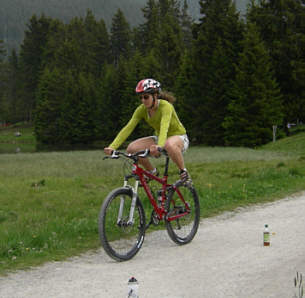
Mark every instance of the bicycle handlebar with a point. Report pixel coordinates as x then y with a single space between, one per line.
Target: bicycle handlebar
135 156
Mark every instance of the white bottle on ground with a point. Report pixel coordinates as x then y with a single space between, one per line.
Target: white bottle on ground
133 288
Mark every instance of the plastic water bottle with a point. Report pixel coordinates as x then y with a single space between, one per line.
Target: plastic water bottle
266 236
133 287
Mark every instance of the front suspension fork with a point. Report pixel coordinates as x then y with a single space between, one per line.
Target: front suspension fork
133 203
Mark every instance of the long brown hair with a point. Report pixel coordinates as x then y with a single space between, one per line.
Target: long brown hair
170 97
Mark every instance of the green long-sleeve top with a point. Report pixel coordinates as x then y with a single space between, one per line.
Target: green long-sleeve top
165 122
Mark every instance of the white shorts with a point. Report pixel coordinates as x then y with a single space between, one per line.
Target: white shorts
184 139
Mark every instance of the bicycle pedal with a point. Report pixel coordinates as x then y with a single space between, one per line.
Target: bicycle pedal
180 210
154 218
188 183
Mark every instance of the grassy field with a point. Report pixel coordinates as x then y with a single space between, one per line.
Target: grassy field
10 143
49 202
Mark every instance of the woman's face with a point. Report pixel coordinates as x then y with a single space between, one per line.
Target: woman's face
147 99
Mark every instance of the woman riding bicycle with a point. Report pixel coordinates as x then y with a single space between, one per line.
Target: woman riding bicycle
157 110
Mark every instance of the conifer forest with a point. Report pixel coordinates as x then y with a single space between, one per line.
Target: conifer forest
235 76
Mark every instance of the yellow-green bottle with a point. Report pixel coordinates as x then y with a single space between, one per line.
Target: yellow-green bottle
266 236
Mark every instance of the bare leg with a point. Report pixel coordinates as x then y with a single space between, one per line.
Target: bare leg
174 147
142 144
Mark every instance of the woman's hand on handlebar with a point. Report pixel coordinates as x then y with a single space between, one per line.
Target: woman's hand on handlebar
108 150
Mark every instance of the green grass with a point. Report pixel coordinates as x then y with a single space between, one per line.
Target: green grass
294 145
49 202
10 143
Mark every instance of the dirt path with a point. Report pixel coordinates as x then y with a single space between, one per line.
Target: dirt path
226 259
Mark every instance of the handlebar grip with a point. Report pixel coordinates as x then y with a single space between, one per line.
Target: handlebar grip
143 153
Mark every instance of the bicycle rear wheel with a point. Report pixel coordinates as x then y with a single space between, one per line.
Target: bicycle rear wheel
121 239
183 215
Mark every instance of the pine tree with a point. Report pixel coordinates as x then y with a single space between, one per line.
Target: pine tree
152 68
66 111
48 112
56 37
171 47
138 67
75 57
215 49
15 105
148 33
186 26
109 105
185 89
78 114
2 51
282 27
256 104
3 85
120 37
31 53
131 71
82 45
96 45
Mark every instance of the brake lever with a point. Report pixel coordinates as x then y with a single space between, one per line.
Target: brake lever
114 155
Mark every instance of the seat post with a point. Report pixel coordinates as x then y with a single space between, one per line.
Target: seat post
166 165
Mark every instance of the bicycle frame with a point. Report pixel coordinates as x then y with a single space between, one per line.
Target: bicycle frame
140 173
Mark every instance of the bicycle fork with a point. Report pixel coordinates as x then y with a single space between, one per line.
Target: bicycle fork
133 203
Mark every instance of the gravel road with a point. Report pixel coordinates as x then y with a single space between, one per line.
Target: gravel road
226 259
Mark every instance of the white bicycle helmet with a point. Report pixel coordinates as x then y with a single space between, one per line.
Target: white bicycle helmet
148 86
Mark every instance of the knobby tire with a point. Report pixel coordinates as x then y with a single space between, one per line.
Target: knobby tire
182 230
120 240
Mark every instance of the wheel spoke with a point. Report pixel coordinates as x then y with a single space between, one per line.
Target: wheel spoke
183 214
121 239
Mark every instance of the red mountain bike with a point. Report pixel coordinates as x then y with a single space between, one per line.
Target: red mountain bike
122 222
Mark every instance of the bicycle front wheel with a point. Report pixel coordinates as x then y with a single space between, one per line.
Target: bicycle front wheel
121 234
183 214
